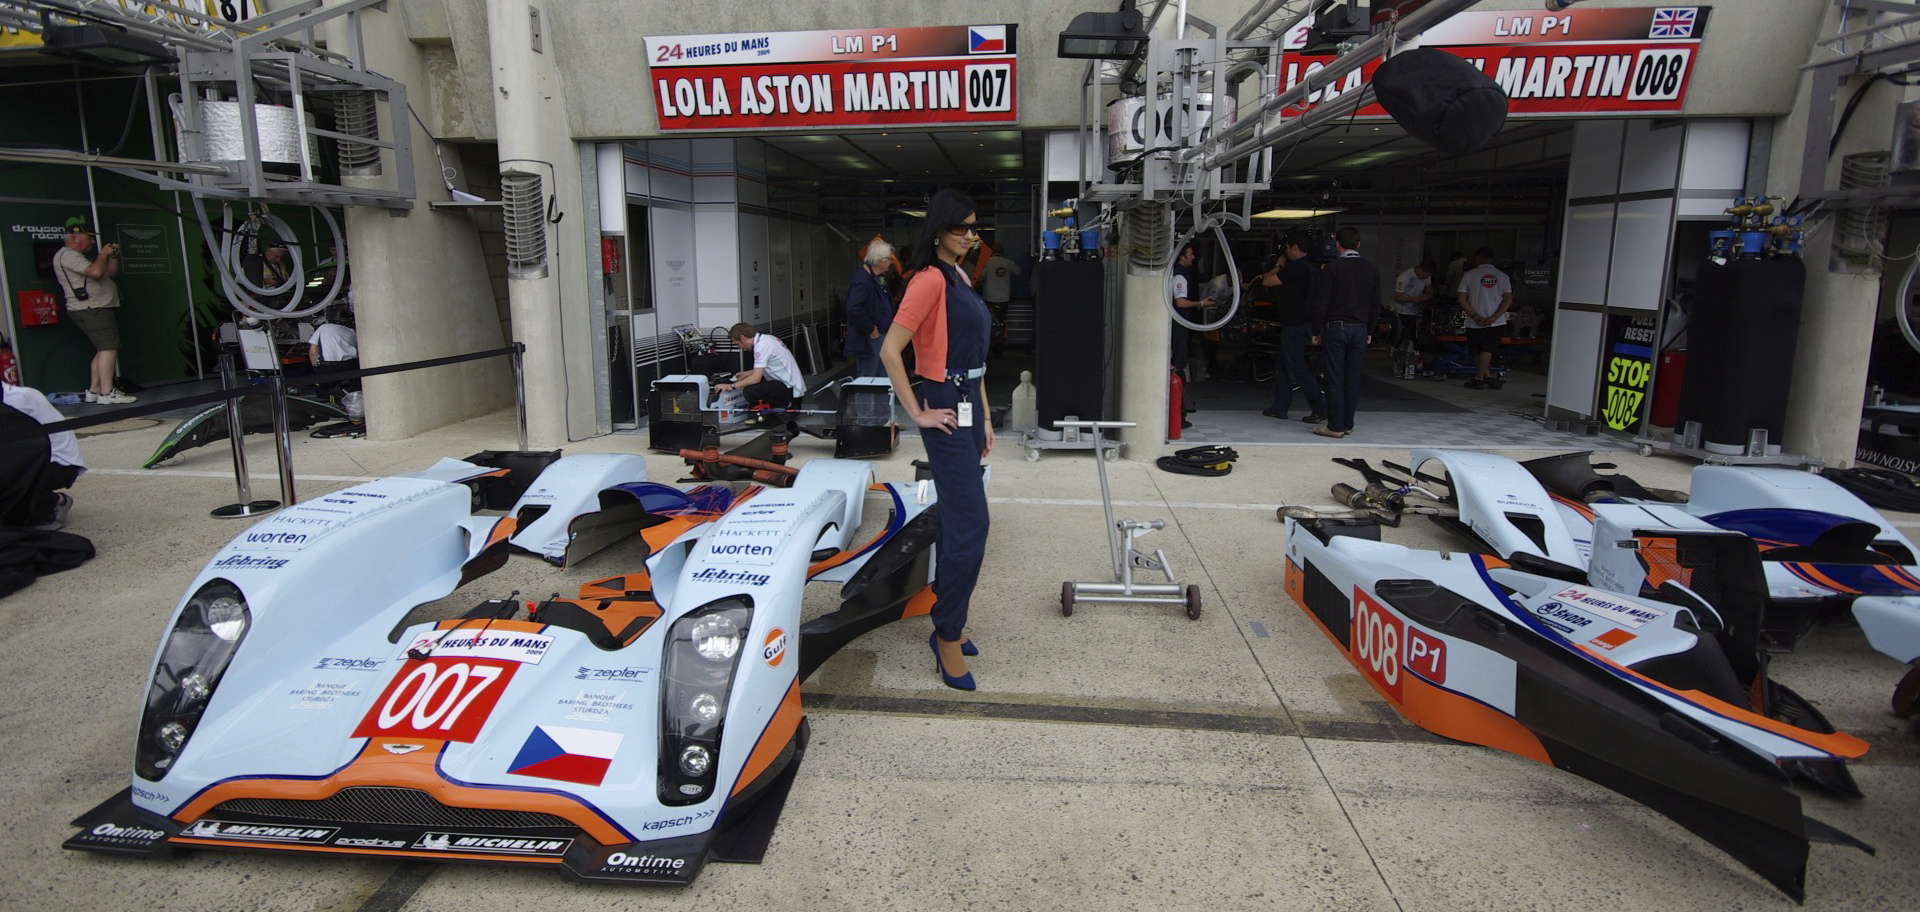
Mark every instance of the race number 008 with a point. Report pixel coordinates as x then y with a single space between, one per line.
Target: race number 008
989 87
1378 637
1658 74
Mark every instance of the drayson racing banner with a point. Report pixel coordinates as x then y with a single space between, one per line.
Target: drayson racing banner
875 77
1577 61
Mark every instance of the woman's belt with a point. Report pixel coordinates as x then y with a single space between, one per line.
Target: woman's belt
969 374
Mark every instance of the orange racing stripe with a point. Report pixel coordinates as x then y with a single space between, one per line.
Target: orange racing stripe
773 739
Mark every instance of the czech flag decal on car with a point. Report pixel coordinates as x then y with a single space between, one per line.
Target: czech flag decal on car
567 754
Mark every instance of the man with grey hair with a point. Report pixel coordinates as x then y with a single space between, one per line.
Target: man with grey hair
869 309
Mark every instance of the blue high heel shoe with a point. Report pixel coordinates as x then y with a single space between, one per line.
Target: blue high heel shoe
968 649
963 682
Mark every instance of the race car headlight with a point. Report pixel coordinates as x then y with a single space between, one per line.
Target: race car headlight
702 654
192 659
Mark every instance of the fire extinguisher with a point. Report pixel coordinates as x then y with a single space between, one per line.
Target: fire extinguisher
1176 410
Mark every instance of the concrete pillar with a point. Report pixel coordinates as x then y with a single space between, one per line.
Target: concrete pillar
551 313
1836 321
419 277
1144 343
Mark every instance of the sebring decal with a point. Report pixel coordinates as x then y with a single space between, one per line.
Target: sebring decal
567 754
438 698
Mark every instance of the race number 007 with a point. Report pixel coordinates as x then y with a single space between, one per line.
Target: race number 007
1658 74
989 87
441 699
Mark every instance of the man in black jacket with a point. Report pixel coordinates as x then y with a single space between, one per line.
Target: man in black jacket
1292 284
1346 306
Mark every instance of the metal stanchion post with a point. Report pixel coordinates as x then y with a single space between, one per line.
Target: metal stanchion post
283 438
236 435
520 390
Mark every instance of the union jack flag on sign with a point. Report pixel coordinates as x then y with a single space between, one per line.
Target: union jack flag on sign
1673 22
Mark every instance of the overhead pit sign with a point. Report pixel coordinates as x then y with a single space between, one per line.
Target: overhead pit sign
1577 61
877 77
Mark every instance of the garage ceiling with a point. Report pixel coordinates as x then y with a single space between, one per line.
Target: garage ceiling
866 179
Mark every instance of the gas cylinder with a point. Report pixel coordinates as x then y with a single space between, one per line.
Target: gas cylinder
1025 412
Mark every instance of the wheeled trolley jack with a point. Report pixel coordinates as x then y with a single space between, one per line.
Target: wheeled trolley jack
1127 558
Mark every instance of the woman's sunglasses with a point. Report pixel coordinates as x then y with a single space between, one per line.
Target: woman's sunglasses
962 229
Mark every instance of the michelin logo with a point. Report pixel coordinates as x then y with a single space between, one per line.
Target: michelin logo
723 575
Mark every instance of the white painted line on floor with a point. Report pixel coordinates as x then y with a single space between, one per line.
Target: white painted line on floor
197 473
1185 505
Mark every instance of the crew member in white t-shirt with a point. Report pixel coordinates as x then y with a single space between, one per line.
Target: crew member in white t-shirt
1486 294
775 377
1412 289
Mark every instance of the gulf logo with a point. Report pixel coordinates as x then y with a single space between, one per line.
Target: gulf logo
775 648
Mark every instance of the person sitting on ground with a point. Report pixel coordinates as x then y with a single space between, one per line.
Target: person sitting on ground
335 345
775 378
45 469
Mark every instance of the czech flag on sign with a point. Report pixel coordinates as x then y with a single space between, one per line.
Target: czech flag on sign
567 754
986 39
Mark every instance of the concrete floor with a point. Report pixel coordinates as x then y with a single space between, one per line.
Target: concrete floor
1124 758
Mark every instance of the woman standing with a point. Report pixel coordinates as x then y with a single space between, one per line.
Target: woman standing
950 328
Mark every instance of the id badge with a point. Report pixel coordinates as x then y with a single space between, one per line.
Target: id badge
965 412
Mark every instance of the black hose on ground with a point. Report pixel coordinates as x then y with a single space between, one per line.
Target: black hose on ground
1882 489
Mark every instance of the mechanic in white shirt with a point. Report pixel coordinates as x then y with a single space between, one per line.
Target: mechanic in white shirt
47 508
1412 289
775 377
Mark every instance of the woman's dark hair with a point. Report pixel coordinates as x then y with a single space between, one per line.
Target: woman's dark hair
947 209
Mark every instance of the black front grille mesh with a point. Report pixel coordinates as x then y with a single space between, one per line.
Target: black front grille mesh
386 805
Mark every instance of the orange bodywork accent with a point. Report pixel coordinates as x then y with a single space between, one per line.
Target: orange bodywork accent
619 614
1812 572
617 586
1434 708
1578 507
502 530
417 769
1840 744
920 605
779 732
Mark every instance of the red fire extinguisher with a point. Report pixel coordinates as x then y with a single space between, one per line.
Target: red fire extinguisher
1176 410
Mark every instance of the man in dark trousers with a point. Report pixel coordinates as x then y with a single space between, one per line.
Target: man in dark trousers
1292 281
1346 306
869 310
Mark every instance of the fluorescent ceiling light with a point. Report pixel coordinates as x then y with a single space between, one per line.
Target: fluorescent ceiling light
916 213
1295 213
